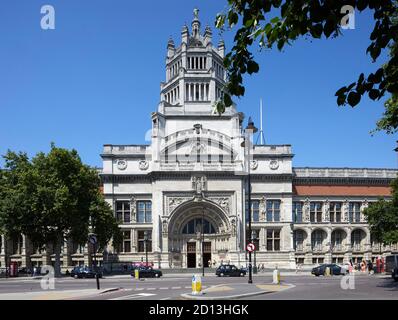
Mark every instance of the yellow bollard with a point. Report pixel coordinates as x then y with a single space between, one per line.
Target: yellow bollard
327 271
137 274
196 285
276 278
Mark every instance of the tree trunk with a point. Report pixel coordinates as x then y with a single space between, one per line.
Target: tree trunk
57 251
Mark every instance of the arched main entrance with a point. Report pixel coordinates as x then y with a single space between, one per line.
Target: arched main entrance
200 233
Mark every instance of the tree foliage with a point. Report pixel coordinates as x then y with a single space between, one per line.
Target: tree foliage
51 197
271 23
382 217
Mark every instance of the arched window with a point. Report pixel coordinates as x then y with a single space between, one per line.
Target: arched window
195 225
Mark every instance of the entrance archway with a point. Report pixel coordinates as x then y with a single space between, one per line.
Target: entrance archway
198 231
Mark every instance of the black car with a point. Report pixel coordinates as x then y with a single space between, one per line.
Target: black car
147 272
334 270
230 270
392 266
24 271
85 272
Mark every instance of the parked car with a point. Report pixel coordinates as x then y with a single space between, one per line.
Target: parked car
24 271
392 266
230 270
334 270
85 272
147 272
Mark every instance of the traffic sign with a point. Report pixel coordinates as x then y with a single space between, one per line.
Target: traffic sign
251 247
93 239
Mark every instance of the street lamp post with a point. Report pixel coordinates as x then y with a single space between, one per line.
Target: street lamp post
203 241
146 247
254 237
250 129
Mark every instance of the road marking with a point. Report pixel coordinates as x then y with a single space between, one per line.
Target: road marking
164 288
175 288
136 296
139 289
151 288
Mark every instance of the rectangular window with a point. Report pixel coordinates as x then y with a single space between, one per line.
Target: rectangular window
335 212
297 212
255 211
142 240
354 212
123 211
316 212
273 240
273 210
126 241
144 211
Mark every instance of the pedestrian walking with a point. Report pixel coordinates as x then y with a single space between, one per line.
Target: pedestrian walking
370 267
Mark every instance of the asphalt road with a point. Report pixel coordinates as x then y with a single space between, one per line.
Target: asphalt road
171 287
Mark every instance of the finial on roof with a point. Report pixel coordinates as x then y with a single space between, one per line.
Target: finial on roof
196 14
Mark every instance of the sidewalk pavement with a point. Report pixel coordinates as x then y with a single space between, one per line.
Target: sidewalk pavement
237 290
54 295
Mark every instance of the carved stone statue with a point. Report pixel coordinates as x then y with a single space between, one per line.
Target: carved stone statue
326 207
263 208
164 228
364 205
345 211
306 210
198 184
233 227
132 209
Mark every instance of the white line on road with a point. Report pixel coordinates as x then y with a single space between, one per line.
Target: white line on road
134 296
175 288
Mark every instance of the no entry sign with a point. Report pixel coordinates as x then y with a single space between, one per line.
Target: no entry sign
251 247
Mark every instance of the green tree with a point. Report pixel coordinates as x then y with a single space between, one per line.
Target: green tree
270 23
52 197
382 217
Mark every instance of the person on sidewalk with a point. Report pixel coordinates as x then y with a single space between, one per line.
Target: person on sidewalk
370 267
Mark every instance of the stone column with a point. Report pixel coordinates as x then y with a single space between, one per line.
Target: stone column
329 246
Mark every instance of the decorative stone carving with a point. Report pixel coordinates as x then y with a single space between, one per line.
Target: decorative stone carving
345 211
233 227
306 210
121 164
253 165
223 203
143 165
174 202
364 205
326 207
263 208
164 228
199 184
133 209
274 164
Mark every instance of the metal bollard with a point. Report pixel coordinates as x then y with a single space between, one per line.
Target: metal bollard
196 285
276 277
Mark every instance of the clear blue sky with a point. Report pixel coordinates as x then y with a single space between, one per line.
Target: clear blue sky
95 80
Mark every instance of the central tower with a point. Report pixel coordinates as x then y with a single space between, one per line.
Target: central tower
195 76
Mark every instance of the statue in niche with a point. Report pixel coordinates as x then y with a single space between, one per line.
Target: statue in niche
263 207
132 209
327 210
306 210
